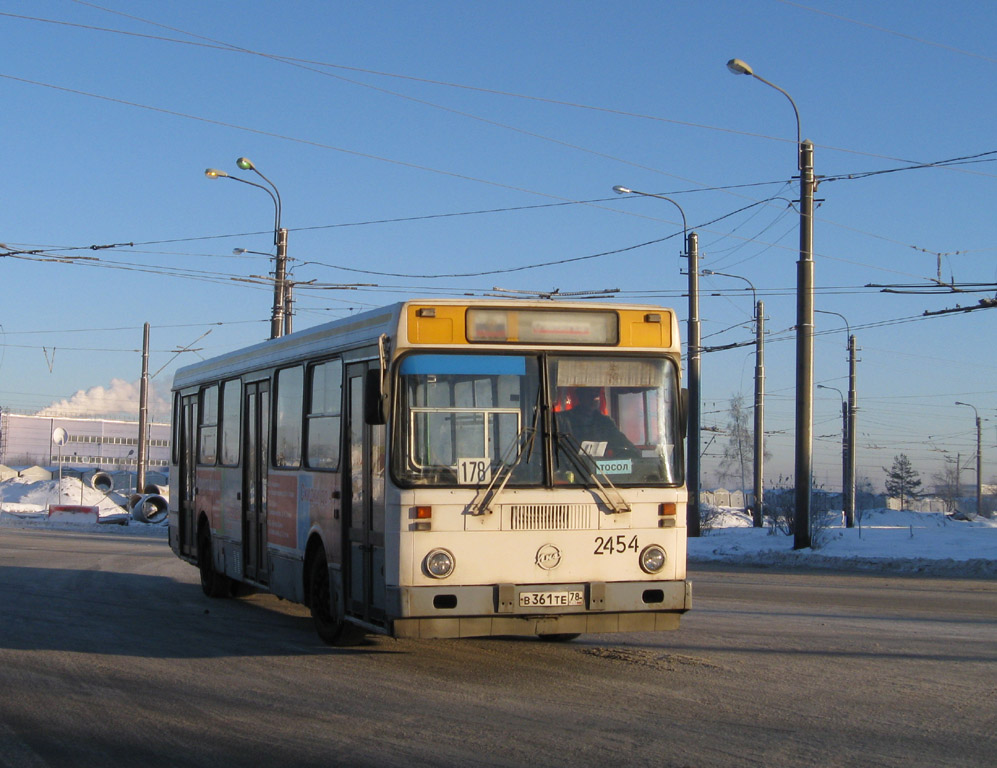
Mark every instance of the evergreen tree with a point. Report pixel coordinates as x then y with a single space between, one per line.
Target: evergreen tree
902 480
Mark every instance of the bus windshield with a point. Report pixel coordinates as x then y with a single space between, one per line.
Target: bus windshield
616 417
462 418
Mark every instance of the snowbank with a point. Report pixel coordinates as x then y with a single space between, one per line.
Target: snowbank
882 539
26 503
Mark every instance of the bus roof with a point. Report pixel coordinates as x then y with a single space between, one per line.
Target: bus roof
357 330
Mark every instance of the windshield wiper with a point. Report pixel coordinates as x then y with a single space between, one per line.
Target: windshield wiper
523 445
584 463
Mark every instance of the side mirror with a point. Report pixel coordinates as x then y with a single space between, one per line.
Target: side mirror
373 398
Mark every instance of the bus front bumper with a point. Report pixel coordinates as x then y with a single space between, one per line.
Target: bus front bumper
499 609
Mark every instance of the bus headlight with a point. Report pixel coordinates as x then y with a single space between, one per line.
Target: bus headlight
652 559
439 563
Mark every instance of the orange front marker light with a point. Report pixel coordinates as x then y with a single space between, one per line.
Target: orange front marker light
668 508
423 517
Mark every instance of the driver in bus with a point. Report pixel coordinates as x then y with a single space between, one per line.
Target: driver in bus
595 432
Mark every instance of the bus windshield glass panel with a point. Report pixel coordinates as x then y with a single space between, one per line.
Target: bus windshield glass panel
615 418
465 417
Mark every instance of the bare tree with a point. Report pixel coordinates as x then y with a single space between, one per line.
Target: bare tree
947 485
736 459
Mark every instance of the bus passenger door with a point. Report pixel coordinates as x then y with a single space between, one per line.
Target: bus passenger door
256 455
187 454
364 519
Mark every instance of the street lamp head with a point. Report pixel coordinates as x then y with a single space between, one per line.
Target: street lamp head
622 190
245 164
738 67
214 173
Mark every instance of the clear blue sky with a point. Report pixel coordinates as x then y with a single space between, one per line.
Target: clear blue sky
418 140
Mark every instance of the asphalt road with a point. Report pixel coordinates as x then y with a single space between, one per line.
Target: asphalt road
111 656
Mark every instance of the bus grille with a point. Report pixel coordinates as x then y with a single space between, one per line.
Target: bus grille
551 517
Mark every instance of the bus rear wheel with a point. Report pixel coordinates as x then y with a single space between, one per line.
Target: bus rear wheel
328 625
213 584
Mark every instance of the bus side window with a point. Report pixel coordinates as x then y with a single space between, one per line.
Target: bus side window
290 391
208 428
325 397
231 412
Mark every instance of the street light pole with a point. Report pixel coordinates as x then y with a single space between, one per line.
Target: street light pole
844 448
802 534
143 413
757 512
280 296
848 457
979 459
694 346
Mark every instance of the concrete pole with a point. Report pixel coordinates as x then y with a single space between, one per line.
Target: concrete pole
288 303
758 515
695 395
802 534
979 467
280 273
849 490
143 413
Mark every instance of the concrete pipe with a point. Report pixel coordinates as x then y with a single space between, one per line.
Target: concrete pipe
159 490
148 508
102 481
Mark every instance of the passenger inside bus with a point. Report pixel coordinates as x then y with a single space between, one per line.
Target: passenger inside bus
595 432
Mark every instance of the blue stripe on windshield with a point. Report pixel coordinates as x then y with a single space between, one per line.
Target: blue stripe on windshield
491 365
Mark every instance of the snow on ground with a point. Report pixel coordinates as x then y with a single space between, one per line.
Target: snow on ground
25 504
884 540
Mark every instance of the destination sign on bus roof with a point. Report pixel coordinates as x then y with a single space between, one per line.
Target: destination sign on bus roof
539 326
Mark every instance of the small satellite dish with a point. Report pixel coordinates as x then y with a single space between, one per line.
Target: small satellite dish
59 436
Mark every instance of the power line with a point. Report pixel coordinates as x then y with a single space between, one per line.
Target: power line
890 31
310 64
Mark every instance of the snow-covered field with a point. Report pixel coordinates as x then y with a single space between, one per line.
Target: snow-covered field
882 540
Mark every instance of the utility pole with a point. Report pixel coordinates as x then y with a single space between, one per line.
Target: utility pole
802 535
280 276
757 515
143 412
979 458
849 488
694 348
288 302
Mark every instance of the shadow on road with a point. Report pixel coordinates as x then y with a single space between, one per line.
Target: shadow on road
109 612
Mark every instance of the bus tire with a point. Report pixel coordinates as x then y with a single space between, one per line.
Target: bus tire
328 625
213 584
564 637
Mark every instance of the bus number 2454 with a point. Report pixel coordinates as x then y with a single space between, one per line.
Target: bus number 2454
614 545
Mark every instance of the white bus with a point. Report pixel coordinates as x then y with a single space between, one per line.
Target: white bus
444 468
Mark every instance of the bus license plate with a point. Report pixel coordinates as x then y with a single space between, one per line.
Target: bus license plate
551 599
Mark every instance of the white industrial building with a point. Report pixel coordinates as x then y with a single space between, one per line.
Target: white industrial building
89 443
